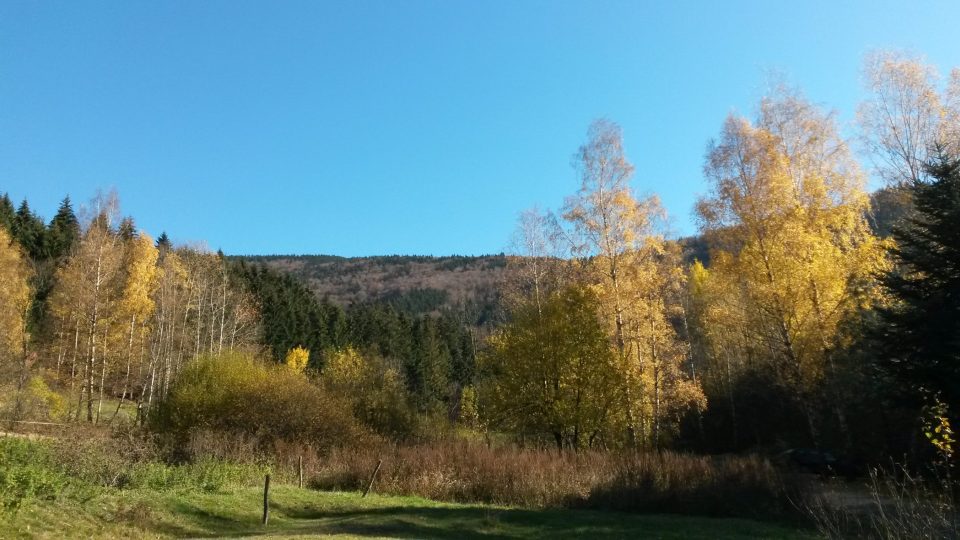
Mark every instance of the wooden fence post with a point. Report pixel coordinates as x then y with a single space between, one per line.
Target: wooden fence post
372 478
300 470
266 499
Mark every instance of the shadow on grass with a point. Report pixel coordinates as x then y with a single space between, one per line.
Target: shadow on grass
205 523
464 523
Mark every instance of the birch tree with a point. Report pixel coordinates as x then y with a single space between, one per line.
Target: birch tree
15 301
622 240
906 114
89 284
136 304
785 218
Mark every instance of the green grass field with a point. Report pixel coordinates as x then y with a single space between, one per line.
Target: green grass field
143 513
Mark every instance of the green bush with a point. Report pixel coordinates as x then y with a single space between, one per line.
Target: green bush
245 399
44 470
28 471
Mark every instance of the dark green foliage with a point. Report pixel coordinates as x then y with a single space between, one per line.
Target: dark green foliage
428 366
7 212
381 329
416 301
163 242
63 232
919 334
45 246
435 352
127 229
291 315
29 230
60 236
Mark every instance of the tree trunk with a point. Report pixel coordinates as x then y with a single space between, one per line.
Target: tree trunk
126 377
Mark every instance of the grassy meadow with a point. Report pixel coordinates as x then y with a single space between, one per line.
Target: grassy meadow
76 488
294 513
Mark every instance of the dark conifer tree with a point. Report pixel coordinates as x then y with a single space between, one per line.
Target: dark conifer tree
29 230
7 213
163 243
63 231
920 332
428 366
291 314
127 229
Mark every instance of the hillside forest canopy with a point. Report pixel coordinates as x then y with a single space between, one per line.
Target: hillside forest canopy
807 312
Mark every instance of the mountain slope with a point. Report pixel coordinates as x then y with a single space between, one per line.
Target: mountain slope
415 284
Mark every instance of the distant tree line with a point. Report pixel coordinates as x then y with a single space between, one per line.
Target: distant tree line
436 352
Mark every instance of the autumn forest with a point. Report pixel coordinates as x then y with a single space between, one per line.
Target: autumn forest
809 332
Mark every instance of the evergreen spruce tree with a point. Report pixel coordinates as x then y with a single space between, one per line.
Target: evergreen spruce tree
920 332
127 229
29 230
7 213
63 231
163 243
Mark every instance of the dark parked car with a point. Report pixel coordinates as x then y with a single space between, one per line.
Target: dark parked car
809 460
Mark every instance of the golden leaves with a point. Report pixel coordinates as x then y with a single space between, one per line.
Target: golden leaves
297 359
792 253
15 296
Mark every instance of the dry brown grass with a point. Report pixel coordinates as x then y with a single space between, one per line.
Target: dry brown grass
893 503
637 482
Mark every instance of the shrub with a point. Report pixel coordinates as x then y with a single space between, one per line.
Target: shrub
246 399
376 391
297 359
717 486
28 471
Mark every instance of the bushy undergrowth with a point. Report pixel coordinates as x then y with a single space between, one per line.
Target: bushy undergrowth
241 398
642 482
77 466
28 471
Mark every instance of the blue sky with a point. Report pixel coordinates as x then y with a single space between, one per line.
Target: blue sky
412 127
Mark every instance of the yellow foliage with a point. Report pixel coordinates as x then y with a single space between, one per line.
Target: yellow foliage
553 371
14 298
469 413
637 277
55 408
345 369
793 256
141 278
297 359
938 431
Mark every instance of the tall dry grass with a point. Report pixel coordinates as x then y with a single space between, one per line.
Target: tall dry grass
894 504
745 486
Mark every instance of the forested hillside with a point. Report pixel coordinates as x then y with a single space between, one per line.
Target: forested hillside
806 318
470 284
413 284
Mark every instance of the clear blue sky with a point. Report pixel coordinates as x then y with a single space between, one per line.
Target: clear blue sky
360 128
